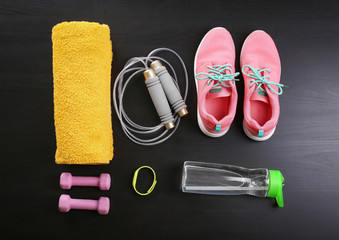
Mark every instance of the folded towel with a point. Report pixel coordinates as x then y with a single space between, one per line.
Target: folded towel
82 57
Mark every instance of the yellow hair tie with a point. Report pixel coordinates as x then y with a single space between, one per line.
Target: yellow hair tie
135 181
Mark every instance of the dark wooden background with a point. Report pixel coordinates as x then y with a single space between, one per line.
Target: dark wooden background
305 146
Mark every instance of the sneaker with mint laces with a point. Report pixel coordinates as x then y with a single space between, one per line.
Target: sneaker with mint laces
215 82
260 65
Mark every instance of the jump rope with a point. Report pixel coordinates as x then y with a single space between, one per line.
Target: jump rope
163 89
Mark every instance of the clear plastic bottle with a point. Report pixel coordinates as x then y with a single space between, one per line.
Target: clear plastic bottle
223 179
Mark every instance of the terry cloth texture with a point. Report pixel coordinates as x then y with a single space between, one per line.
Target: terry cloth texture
82 58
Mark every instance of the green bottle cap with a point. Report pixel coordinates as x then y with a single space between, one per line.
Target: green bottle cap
275 186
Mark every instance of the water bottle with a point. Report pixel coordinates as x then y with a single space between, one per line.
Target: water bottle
223 179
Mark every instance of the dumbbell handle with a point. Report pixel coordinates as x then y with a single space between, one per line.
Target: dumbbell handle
87 204
85 181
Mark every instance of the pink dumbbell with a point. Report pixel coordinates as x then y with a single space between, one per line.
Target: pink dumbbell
66 203
67 181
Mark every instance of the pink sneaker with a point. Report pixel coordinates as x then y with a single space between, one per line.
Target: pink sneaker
261 69
215 81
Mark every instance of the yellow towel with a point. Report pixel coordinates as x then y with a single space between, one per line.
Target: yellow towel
82 57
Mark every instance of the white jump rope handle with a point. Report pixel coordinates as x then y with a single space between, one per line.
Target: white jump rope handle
171 91
159 98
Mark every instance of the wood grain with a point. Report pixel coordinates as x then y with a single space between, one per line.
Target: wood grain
305 146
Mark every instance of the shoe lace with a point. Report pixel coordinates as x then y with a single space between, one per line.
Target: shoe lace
260 80
219 73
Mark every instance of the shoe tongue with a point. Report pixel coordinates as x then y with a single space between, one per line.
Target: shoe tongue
260 96
219 91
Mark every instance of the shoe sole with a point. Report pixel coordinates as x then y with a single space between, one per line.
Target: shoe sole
204 130
247 132
255 138
201 125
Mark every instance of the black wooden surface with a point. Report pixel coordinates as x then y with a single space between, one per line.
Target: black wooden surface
305 146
